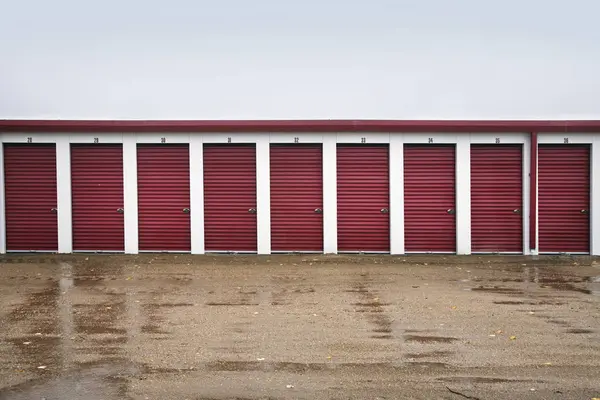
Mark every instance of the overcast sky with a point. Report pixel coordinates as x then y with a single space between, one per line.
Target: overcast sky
274 59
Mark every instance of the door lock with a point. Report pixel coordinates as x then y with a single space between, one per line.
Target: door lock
54 210
517 211
186 210
318 210
385 211
451 211
584 211
120 210
252 210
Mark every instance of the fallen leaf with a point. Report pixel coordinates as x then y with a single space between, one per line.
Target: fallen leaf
42 367
499 331
492 335
128 278
260 359
453 307
547 363
289 386
26 342
329 357
513 338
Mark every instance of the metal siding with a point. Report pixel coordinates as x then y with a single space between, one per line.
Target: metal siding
163 195
362 192
429 192
564 191
229 194
296 192
97 193
496 192
30 197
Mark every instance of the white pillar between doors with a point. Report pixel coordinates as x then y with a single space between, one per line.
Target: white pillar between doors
330 194
196 194
526 194
595 196
463 194
130 193
2 208
63 194
396 160
263 194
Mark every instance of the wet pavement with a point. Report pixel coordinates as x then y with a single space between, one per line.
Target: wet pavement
299 327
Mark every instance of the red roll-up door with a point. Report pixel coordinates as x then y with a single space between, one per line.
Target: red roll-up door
429 198
163 197
230 197
363 198
496 198
296 198
97 192
30 197
564 198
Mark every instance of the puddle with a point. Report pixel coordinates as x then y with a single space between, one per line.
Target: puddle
508 302
382 337
106 380
482 379
429 339
580 331
371 304
497 289
430 354
382 330
231 304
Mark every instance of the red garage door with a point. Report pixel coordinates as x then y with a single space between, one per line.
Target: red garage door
30 197
164 197
429 198
564 198
230 198
296 198
496 198
363 198
97 190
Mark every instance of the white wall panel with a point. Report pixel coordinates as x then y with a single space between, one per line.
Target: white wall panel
63 194
162 138
431 137
363 138
595 197
396 158
130 195
297 137
498 138
197 194
330 195
463 195
99 138
229 137
565 138
263 194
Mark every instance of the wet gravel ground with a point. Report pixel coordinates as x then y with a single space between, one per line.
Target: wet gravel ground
299 327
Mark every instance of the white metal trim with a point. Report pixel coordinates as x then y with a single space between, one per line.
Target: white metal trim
329 176
64 201
463 195
396 193
130 195
263 194
196 195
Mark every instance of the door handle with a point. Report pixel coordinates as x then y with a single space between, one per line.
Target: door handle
252 210
450 211
517 211
385 211
319 210
186 210
54 209
584 211
120 210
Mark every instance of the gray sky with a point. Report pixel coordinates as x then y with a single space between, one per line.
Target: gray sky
255 59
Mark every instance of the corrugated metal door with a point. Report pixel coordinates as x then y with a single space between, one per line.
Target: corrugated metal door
30 197
496 198
97 192
429 198
296 198
163 197
564 198
363 198
230 197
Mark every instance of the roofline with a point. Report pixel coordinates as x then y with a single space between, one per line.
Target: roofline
192 126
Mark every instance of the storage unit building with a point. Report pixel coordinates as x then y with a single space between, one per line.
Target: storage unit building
300 186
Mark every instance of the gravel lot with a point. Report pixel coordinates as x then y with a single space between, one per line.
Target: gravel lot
299 327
